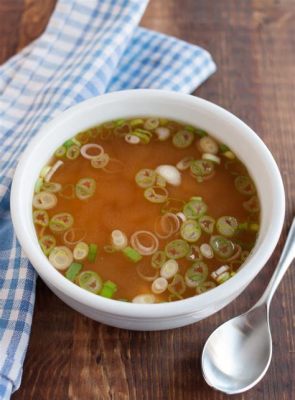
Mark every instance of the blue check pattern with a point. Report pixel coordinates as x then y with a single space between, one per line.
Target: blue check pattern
89 48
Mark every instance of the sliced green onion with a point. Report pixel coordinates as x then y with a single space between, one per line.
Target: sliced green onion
194 253
44 171
132 139
159 285
196 274
132 254
244 185
92 252
60 152
190 231
158 259
47 243
177 249
202 169
119 239
170 174
52 187
177 286
85 188
200 132
252 205
61 222
76 141
38 185
207 223
169 269
194 209
162 133
156 194
222 247
145 242
61 257
44 200
100 162
185 163
136 122
230 155
183 139
151 123
73 271
82 137
41 217
145 178
208 145
108 290
206 250
53 170
227 226
81 251
211 157
223 148
144 299
98 151
68 143
73 152
166 225
143 135
205 286
221 274
90 281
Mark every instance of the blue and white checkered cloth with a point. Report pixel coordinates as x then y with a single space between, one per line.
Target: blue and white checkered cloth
89 48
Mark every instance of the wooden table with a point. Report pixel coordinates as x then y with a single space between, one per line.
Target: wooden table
72 357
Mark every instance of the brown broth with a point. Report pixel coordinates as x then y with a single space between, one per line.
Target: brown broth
118 203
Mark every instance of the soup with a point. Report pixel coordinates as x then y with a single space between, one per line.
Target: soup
146 210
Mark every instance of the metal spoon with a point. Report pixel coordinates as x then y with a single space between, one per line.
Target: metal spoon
237 354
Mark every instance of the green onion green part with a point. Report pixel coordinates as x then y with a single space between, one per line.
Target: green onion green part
108 289
92 252
132 254
90 281
73 271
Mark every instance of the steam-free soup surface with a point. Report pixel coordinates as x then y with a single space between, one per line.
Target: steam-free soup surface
169 180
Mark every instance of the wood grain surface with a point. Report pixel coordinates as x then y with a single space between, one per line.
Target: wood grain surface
72 357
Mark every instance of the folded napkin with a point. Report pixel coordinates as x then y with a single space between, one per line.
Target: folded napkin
88 48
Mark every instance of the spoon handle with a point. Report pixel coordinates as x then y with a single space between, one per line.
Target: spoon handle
285 260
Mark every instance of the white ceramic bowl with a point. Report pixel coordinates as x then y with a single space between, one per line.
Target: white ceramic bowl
191 110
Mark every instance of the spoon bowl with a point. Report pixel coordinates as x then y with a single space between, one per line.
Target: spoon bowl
237 355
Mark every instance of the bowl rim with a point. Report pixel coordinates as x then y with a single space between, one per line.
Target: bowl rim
161 310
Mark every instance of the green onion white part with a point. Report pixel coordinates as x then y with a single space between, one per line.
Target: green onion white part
61 257
162 133
86 147
144 299
169 269
159 285
119 239
44 200
53 170
170 174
